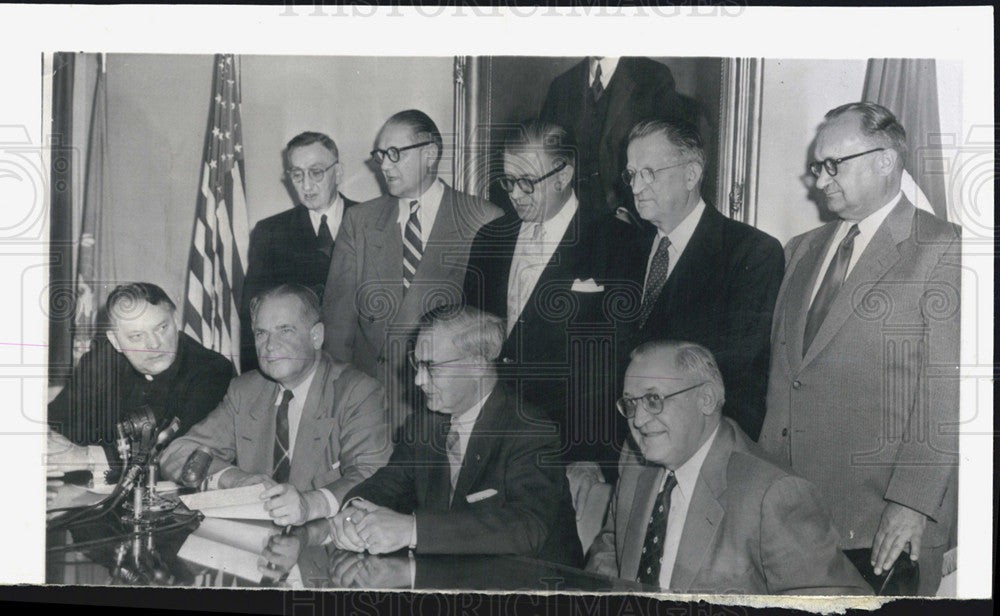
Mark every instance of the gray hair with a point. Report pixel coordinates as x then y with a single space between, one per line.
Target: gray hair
474 332
877 123
546 137
308 299
689 358
682 135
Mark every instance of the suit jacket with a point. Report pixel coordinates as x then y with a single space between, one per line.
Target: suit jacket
368 317
105 388
869 413
639 89
283 249
720 294
511 450
561 349
751 527
343 421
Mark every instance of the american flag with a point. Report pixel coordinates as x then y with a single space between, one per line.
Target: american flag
217 262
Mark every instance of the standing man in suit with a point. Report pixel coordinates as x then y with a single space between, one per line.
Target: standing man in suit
469 475
542 269
307 427
698 507
399 256
863 391
143 362
296 245
598 101
704 277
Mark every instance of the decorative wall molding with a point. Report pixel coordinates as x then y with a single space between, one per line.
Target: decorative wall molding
739 137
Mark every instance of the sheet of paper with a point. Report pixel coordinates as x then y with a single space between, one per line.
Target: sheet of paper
202 501
249 536
213 554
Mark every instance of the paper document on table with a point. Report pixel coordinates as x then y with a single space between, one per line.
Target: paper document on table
243 503
232 547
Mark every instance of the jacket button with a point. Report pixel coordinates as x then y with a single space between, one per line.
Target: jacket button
784 432
796 384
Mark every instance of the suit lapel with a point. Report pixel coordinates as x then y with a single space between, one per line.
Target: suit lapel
482 442
805 272
259 427
314 426
386 241
705 512
434 262
434 465
303 230
619 89
647 488
695 263
879 256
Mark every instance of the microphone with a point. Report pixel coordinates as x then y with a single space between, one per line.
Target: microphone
196 467
169 432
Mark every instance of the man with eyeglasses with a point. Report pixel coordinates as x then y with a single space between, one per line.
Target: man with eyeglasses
696 274
863 392
698 507
398 256
476 472
542 268
296 245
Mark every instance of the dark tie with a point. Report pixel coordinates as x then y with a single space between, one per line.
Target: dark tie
656 533
282 457
324 237
828 289
655 280
597 88
454 456
413 248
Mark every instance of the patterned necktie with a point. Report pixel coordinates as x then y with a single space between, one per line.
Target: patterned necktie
282 456
657 277
324 237
828 289
413 247
454 456
656 533
597 88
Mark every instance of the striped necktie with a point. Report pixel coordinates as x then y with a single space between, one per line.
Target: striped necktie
413 247
282 456
828 289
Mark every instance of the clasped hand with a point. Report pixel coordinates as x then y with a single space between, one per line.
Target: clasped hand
363 526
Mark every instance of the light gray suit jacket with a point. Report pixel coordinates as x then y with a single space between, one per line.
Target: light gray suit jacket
870 413
368 316
343 421
751 527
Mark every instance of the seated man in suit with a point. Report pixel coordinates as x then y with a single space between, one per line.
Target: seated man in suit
469 474
399 256
296 245
143 362
309 427
542 268
699 508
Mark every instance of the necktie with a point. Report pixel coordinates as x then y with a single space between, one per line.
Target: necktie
828 289
657 277
282 456
656 532
454 457
413 247
324 237
597 88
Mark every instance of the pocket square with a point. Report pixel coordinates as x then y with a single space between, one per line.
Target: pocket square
480 496
586 286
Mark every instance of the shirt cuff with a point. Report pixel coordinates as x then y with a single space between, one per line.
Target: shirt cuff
213 479
331 500
97 458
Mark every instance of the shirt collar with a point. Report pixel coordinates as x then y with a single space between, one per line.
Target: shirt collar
687 473
682 233
608 66
466 420
300 391
556 226
429 201
869 224
331 212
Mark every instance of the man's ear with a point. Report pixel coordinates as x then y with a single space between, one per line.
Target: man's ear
338 174
565 176
113 339
692 174
316 333
887 161
708 399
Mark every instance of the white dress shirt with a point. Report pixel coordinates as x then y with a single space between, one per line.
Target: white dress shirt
866 229
680 500
430 202
679 239
608 66
532 256
334 216
464 423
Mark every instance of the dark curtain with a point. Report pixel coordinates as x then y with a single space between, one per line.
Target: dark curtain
61 288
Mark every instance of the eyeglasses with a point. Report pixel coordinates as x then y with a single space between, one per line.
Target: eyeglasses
646 174
316 174
392 152
652 402
527 185
830 164
419 364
